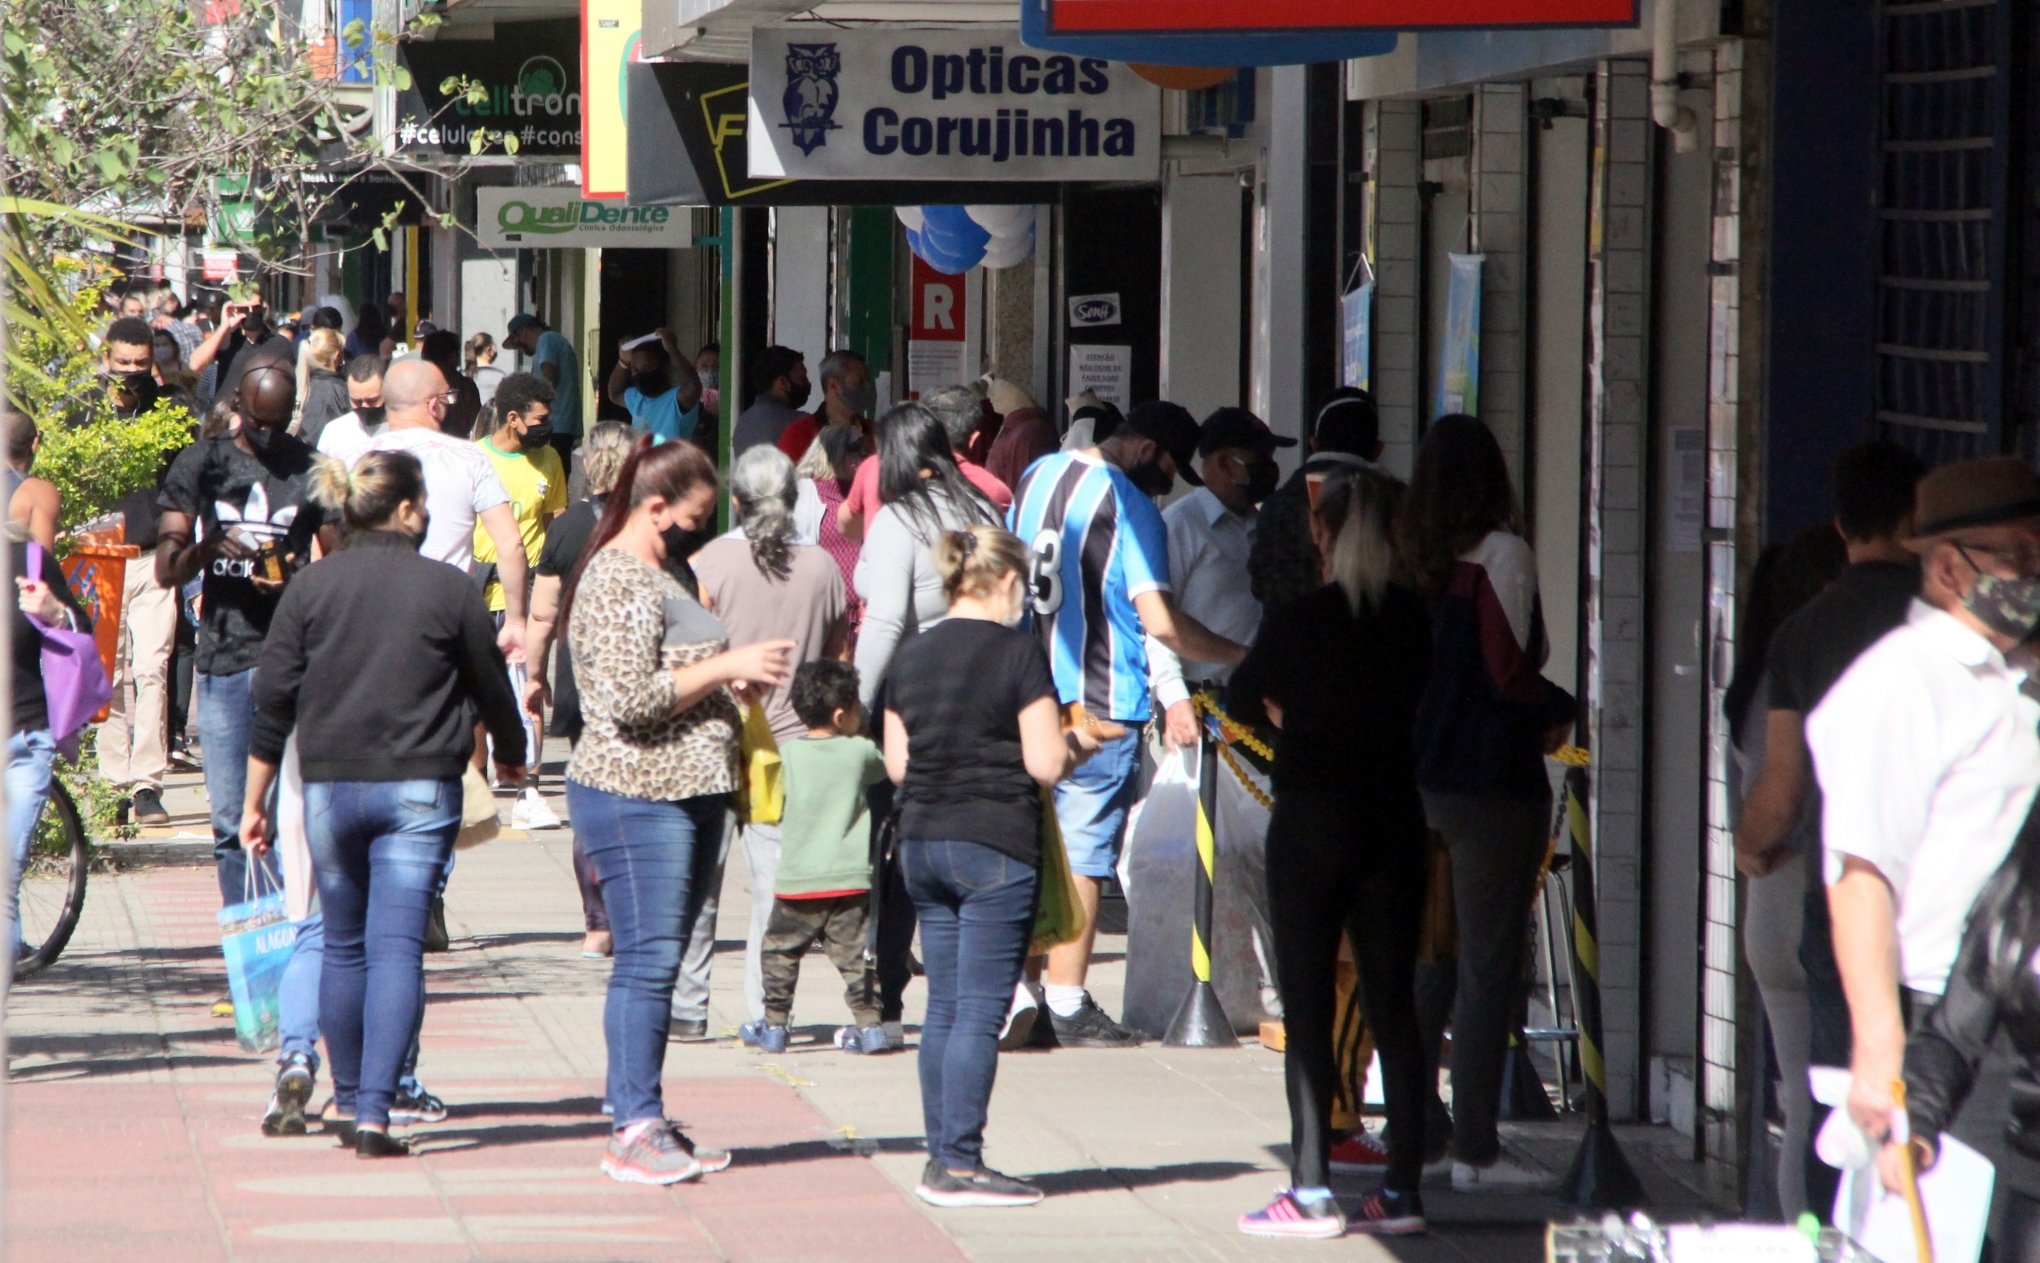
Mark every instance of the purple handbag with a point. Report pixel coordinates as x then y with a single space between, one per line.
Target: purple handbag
74 680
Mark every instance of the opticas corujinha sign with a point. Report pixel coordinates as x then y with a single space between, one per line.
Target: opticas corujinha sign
943 105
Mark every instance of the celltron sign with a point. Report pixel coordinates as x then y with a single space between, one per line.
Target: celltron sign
837 103
545 219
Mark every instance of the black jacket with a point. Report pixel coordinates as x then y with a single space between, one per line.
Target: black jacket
382 660
1992 988
325 398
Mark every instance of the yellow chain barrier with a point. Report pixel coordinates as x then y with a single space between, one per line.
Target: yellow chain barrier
1236 731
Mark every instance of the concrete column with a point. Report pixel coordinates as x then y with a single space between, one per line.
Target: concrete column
1009 318
1500 188
1201 293
1619 359
800 280
1278 390
1395 166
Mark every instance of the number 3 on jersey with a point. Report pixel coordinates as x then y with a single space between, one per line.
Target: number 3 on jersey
1044 573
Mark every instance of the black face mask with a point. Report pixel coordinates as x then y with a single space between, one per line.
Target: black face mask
260 437
371 417
1152 479
536 435
796 396
680 542
1262 479
424 529
140 386
652 383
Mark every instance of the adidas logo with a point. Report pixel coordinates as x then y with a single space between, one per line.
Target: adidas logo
256 524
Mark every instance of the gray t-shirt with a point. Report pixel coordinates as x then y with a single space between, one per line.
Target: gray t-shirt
762 422
901 588
806 607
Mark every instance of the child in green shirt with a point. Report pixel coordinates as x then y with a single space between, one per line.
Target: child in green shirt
823 893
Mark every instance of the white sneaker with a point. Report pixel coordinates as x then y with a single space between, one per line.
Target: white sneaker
530 812
1020 1018
1505 1174
895 1034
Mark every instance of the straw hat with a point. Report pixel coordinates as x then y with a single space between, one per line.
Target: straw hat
1973 493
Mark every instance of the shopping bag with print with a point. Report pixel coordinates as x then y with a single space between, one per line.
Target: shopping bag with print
764 789
257 937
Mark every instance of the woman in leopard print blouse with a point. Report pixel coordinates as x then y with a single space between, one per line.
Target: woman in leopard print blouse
649 780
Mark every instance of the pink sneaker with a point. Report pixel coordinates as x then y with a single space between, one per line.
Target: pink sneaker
1287 1217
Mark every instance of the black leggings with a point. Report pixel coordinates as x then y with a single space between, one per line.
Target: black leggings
1331 871
2017 1239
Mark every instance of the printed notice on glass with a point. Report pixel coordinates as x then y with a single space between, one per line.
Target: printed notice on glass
1105 371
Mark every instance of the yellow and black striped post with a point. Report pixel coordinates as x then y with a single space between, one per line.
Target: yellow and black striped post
1200 1021
1601 1178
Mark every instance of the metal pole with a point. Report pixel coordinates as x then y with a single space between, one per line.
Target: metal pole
1200 1021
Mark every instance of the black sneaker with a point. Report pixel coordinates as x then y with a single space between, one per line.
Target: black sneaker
1090 1028
436 939
1388 1214
982 1187
149 807
415 1105
286 1113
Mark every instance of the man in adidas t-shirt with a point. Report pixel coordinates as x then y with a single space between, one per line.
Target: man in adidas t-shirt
1100 587
236 508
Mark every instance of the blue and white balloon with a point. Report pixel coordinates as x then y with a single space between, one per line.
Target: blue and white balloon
955 239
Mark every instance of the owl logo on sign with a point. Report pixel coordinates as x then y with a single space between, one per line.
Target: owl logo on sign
810 97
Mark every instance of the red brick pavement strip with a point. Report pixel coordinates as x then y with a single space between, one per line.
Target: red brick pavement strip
164 1158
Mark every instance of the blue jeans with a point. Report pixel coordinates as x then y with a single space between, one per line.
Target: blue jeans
226 713
1091 805
297 998
977 914
643 854
29 758
378 847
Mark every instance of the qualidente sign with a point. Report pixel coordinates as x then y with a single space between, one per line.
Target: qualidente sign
546 219
873 103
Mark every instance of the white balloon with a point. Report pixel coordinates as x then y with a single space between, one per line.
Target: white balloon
1005 252
910 216
1002 221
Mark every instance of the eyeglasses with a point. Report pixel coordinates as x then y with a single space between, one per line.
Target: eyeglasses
450 398
2022 561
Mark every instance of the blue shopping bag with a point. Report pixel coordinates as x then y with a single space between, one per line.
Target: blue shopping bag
257 937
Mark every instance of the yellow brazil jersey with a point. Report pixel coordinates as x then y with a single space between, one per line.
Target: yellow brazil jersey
538 493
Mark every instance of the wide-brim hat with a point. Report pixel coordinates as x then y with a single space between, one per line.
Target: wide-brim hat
1973 493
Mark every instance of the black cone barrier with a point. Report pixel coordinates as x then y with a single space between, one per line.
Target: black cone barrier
1200 1021
1601 1177
1523 1095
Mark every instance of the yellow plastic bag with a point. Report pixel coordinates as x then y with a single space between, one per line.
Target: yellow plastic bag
1059 915
764 787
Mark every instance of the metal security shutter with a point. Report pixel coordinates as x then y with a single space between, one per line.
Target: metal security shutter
1944 120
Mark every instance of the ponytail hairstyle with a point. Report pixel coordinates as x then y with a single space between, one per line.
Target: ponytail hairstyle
1357 509
973 561
762 487
602 455
368 496
478 346
667 470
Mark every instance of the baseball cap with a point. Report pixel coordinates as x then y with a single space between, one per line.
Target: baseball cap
1173 428
520 322
1236 427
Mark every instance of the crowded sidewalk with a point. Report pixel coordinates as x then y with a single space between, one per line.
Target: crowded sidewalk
133 1116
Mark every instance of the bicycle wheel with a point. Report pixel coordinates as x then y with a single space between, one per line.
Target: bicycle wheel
53 883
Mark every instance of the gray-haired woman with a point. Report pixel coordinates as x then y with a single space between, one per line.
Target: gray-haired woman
602 457
765 585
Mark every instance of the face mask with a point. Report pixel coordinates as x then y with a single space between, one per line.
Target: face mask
1152 479
653 383
2009 607
862 402
260 437
709 379
1262 477
370 418
797 396
538 434
166 354
424 529
679 541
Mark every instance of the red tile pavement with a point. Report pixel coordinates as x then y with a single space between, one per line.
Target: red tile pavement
136 1134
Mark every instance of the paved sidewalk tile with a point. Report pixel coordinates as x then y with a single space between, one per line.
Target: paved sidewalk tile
132 1114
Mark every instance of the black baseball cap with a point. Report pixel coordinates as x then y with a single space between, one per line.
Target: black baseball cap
1236 427
1172 428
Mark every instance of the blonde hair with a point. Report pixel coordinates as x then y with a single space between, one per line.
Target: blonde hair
368 495
602 455
325 347
974 560
1358 510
